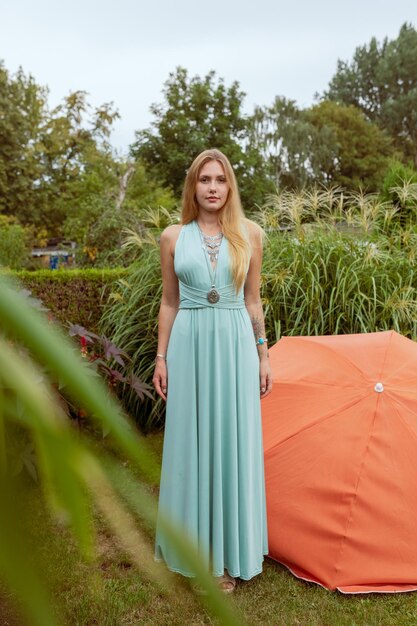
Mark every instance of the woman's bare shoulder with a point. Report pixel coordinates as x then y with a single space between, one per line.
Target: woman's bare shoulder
171 232
170 235
255 231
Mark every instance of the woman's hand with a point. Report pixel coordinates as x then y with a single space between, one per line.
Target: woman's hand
265 377
160 378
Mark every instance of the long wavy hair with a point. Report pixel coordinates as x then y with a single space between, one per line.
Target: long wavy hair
231 217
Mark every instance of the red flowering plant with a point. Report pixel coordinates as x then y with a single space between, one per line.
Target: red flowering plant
102 354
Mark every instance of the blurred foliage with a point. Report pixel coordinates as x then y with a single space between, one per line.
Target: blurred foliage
75 480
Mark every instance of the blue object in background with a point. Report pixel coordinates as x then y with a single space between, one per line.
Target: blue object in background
53 262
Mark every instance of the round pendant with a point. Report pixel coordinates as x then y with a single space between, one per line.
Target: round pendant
213 296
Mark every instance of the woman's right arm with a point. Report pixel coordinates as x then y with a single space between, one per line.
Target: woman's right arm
169 306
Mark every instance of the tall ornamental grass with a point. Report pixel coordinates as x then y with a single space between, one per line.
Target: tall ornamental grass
334 263
132 313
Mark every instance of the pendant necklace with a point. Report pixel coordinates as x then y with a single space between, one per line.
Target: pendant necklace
211 247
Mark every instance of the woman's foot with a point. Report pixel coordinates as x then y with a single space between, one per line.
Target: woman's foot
226 583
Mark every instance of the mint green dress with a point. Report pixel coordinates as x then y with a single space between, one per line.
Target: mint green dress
212 481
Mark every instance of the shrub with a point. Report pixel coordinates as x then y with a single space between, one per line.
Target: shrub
76 296
400 189
396 176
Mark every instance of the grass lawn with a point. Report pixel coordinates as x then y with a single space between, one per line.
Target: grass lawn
111 592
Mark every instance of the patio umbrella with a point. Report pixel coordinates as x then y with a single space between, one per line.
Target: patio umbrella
340 441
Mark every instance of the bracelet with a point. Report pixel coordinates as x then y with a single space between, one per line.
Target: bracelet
261 341
161 356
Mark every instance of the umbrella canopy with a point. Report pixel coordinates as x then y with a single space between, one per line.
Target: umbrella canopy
340 441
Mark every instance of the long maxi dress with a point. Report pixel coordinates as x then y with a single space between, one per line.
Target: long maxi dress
212 480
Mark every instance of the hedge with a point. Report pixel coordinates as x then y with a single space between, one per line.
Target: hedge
76 296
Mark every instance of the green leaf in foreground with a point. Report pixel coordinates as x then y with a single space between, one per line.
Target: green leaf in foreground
70 473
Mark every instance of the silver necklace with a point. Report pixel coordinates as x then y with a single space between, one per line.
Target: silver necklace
211 247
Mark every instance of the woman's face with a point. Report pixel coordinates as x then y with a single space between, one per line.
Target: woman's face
212 187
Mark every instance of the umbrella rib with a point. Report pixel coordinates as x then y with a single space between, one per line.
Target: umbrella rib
386 354
398 402
332 351
310 381
339 409
353 499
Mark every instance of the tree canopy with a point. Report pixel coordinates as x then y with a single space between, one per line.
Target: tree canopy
22 106
360 151
196 114
58 171
59 174
381 80
327 143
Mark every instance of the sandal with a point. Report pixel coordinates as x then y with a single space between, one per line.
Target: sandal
226 583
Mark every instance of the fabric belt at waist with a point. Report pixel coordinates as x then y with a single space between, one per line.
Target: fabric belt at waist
193 298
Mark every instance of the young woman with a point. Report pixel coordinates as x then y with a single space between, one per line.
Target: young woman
212 369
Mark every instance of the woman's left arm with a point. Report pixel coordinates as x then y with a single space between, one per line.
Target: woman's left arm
254 306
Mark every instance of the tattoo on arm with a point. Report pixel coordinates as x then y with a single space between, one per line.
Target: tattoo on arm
257 326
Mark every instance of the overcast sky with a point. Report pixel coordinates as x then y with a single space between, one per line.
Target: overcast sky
123 51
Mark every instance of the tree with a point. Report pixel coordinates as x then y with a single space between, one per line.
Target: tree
50 160
198 113
362 151
327 143
22 106
293 150
381 80
78 165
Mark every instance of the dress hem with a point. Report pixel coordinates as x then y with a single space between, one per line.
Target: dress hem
215 575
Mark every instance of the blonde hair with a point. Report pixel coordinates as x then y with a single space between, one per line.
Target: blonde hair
232 219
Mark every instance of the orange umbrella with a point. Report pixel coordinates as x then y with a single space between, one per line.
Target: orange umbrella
340 441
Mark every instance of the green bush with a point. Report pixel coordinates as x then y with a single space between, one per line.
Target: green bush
400 189
396 176
76 296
